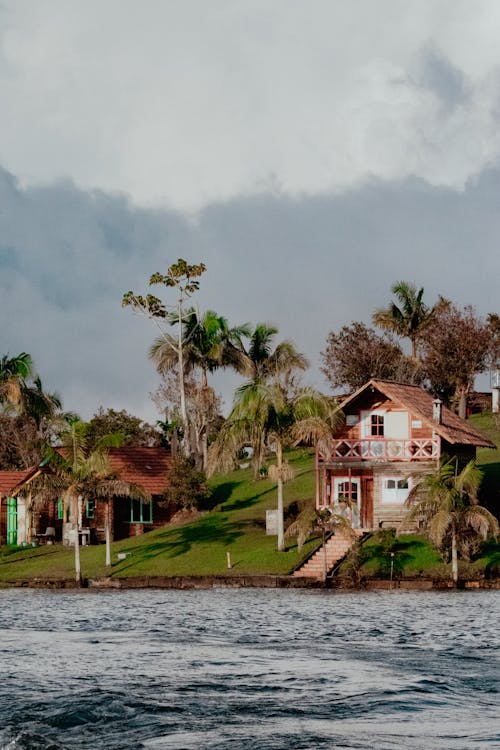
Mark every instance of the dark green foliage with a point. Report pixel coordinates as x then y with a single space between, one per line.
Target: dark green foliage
133 429
188 487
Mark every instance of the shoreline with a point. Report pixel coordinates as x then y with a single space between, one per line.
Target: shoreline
250 581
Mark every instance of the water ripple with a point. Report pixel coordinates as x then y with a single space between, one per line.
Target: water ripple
249 669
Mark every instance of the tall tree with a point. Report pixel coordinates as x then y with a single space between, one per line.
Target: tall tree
263 362
457 346
279 418
14 371
209 344
183 277
357 353
447 505
78 473
411 316
39 404
31 416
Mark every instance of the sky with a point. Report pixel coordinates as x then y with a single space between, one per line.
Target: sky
309 153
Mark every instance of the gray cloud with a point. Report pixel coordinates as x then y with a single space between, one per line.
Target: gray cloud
309 265
190 102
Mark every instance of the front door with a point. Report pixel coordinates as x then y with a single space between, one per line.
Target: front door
347 498
11 520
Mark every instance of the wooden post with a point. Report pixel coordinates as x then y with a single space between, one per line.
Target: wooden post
108 536
228 555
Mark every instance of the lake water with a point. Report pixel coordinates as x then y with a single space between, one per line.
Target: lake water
249 668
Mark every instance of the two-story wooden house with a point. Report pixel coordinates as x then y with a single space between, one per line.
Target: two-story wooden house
393 434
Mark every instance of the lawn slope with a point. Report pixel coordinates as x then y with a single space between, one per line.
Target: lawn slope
198 547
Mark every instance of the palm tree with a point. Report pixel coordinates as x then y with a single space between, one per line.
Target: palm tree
262 362
263 365
13 373
412 316
208 344
447 505
267 414
38 404
77 472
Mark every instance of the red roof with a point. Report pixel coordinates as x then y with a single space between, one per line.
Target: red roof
11 480
452 428
147 467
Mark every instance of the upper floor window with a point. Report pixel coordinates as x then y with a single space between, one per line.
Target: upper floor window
377 425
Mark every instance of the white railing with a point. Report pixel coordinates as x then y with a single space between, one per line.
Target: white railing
386 450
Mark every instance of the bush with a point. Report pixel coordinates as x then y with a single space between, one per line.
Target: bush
187 486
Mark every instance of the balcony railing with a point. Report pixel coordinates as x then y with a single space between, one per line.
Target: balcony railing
386 450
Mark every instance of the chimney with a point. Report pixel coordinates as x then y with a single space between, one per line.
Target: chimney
437 405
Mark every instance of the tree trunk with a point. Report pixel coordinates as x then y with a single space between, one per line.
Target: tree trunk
325 558
107 531
182 385
281 513
78 572
454 559
462 402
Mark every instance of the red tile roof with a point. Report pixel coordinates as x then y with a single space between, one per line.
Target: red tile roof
452 428
147 467
11 480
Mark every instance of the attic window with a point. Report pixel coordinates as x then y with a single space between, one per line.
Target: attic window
351 420
377 425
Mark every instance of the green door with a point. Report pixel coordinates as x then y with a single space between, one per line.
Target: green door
11 520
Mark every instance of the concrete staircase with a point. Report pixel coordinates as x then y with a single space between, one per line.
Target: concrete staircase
337 547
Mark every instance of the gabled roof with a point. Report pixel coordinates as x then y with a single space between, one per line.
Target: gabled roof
452 428
12 481
147 467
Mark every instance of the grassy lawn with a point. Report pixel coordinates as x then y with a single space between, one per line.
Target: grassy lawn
489 461
235 525
414 557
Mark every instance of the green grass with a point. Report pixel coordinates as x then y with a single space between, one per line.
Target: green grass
236 525
488 460
414 557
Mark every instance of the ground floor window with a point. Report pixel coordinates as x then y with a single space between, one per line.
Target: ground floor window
140 512
395 490
90 508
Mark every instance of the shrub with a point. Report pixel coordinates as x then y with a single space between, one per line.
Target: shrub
187 486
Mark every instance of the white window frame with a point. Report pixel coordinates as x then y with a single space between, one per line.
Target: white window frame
400 494
366 423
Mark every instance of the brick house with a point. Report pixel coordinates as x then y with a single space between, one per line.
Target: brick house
22 521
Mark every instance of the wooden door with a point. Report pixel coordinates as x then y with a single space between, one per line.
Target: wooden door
367 503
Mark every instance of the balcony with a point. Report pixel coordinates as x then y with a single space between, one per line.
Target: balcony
385 450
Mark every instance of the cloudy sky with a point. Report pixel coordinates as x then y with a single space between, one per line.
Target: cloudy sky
310 153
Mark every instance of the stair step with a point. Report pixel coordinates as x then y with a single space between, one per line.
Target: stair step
336 548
